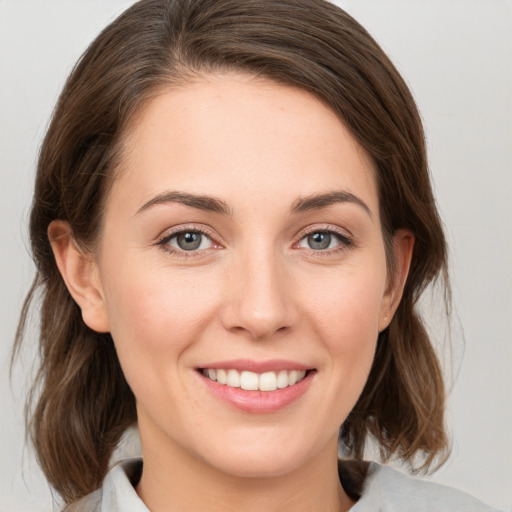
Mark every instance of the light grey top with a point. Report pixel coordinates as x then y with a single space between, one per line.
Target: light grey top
385 490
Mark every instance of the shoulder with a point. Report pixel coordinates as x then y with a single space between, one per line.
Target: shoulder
117 494
89 503
387 489
384 489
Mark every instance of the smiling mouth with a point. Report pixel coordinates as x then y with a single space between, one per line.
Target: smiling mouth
252 381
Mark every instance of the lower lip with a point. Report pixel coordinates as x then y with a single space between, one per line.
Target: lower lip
259 401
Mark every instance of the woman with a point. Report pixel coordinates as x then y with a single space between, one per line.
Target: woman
232 223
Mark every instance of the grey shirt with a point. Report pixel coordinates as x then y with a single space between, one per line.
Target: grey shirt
385 490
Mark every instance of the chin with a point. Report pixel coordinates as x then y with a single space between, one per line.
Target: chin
261 458
256 466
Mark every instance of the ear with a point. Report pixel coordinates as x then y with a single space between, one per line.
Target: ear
403 244
80 273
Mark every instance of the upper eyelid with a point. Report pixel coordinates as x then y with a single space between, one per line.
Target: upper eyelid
315 228
175 230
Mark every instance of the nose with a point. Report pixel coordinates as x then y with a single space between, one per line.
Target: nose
259 300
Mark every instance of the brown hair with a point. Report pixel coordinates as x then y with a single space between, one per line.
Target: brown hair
83 403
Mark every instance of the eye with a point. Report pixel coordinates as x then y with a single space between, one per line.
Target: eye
188 240
323 240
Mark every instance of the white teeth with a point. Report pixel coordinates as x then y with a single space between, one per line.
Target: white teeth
251 381
282 379
222 377
268 381
233 379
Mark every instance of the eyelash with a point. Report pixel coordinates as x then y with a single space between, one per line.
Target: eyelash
346 242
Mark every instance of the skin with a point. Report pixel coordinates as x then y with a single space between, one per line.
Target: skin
255 289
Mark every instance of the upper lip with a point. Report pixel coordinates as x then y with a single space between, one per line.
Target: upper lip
273 365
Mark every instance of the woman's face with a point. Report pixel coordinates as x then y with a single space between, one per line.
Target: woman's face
242 246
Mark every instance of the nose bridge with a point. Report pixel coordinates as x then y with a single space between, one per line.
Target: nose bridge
260 300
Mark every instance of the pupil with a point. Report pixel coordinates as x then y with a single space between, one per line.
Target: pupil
189 241
319 241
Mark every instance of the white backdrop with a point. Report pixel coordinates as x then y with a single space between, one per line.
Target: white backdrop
456 56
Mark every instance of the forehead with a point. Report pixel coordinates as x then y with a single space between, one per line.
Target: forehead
227 132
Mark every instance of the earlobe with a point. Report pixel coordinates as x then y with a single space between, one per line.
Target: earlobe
403 245
80 274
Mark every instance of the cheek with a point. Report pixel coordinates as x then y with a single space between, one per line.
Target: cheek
346 310
349 301
155 315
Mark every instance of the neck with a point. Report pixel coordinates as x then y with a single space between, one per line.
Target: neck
188 484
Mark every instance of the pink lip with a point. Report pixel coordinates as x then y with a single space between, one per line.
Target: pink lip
258 401
274 365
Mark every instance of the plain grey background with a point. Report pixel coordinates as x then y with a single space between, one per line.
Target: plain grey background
456 55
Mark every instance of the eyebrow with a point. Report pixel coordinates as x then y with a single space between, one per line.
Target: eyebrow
318 201
215 205
201 202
